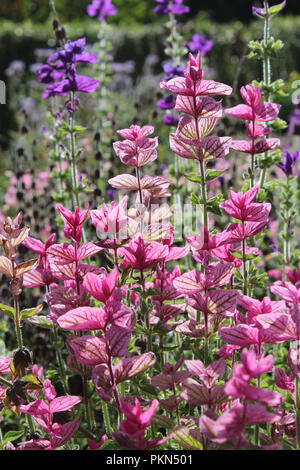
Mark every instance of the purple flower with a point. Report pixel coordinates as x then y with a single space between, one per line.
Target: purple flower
72 106
101 9
167 103
50 73
200 43
60 75
111 193
170 120
72 53
172 71
288 163
15 67
76 83
294 119
170 6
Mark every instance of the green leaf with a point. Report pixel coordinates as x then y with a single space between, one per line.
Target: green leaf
6 310
194 178
238 254
213 174
183 436
277 8
12 436
110 445
41 321
33 382
152 291
29 312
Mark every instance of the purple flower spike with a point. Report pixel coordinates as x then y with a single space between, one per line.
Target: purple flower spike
172 71
170 6
101 9
76 83
170 120
288 162
167 103
200 43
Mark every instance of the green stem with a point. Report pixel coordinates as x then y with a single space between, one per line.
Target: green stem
204 195
17 323
106 418
245 273
60 362
266 77
5 382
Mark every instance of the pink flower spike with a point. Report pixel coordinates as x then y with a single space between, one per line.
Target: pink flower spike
101 287
241 207
136 420
110 219
73 222
255 367
49 390
251 96
284 381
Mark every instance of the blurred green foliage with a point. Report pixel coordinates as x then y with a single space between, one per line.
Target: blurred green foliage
129 11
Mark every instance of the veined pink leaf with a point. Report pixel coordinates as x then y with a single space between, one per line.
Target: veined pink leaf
241 111
218 275
215 147
61 254
177 85
268 144
279 325
117 341
187 130
222 302
177 253
153 183
198 394
6 266
208 375
90 350
83 319
266 112
124 181
37 407
190 282
65 403
34 278
130 367
210 87
26 266
19 236
205 107
87 249
189 150
240 335
147 156
66 432
191 328
244 146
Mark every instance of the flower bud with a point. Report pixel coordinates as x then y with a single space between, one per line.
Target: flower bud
22 359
